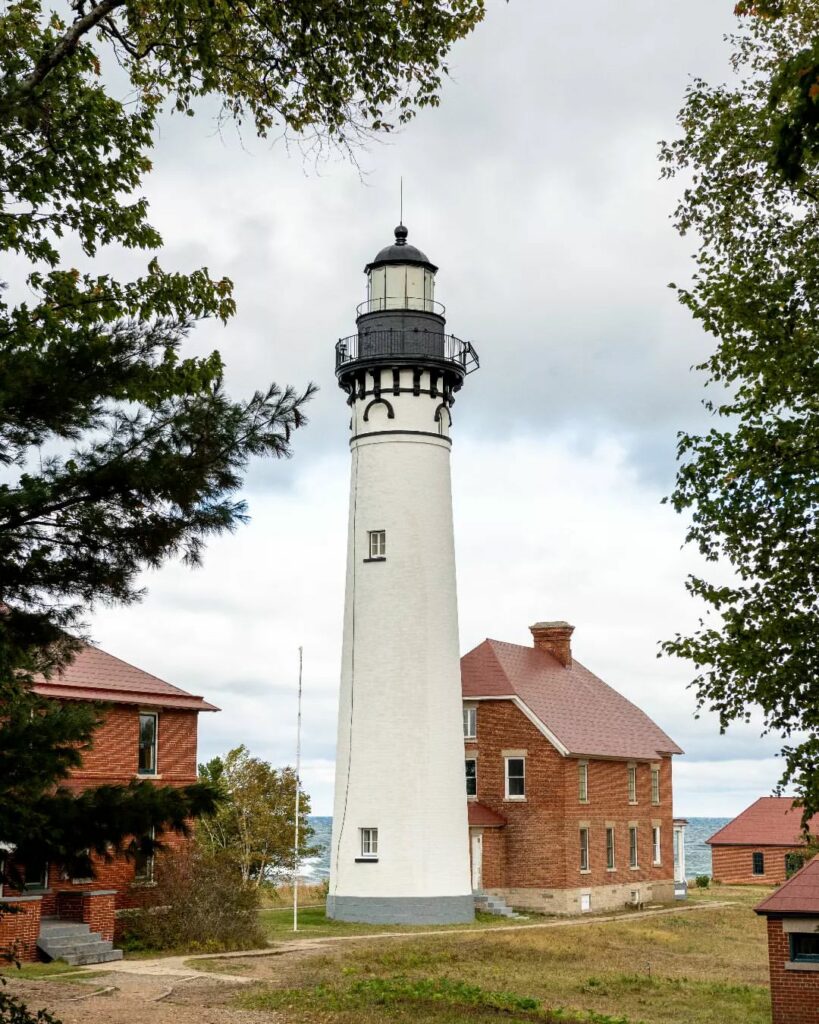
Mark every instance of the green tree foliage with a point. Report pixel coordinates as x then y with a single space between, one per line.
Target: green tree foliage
256 817
751 483
116 451
198 904
793 94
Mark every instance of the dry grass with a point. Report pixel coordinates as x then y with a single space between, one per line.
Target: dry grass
700 967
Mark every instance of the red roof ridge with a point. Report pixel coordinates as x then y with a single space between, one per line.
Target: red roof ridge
768 821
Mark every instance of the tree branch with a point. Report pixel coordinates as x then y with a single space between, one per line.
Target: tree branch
64 48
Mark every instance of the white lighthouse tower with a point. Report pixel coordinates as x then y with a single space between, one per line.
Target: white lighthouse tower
400 851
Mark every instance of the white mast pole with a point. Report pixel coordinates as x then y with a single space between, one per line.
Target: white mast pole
298 800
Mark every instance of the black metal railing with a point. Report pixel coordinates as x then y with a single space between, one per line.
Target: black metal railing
406 345
400 302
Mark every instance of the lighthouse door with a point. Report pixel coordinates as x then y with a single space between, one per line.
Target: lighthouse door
477 860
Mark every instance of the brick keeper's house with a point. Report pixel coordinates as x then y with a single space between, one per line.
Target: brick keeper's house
568 783
149 732
762 845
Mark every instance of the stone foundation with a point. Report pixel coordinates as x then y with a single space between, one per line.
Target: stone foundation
402 909
601 897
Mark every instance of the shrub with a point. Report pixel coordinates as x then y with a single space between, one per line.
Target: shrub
702 881
198 904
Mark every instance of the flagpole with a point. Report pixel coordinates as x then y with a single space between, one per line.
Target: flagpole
298 800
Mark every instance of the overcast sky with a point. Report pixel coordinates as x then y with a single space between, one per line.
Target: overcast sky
535 188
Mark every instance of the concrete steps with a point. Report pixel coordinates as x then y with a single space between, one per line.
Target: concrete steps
75 943
489 904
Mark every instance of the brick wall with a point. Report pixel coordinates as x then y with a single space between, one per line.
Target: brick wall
19 930
794 994
540 845
113 759
734 864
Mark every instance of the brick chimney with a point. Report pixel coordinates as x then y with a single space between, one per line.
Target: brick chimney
556 638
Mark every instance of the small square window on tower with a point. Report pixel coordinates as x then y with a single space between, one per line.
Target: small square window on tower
378 543
369 842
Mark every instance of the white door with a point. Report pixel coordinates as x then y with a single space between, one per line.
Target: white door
477 860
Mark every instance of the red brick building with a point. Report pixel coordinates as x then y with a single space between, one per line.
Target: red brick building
792 914
149 732
568 783
756 846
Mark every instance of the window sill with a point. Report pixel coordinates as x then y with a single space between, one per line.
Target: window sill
634 867
366 860
799 965
470 739
656 863
473 797
143 885
374 559
514 799
148 775
611 870
585 871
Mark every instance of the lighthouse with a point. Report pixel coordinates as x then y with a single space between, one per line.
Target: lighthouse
400 851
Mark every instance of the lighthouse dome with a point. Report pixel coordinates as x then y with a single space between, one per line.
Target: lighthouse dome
400 252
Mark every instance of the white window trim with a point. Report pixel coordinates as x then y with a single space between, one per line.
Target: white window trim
583 782
369 854
470 710
377 543
632 790
584 848
635 864
655 777
518 798
472 796
613 865
141 773
656 845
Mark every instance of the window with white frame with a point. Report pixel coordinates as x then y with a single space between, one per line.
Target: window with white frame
655 784
470 723
632 783
584 849
656 846
148 728
515 778
369 842
583 782
610 848
471 766
632 846
378 543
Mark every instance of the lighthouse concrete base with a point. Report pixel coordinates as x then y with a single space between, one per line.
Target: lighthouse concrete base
402 909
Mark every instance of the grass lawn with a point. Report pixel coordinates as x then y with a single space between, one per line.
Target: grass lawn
37 972
703 967
278 925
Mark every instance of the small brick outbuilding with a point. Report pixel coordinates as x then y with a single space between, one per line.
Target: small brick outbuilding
761 846
792 914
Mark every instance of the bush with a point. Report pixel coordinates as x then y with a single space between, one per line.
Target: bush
199 904
702 881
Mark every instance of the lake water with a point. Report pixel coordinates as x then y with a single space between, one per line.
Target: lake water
697 854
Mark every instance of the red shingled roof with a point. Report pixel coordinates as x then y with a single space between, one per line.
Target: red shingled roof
95 675
583 714
482 816
799 895
771 821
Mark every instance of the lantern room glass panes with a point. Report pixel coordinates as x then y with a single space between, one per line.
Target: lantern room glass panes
400 286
